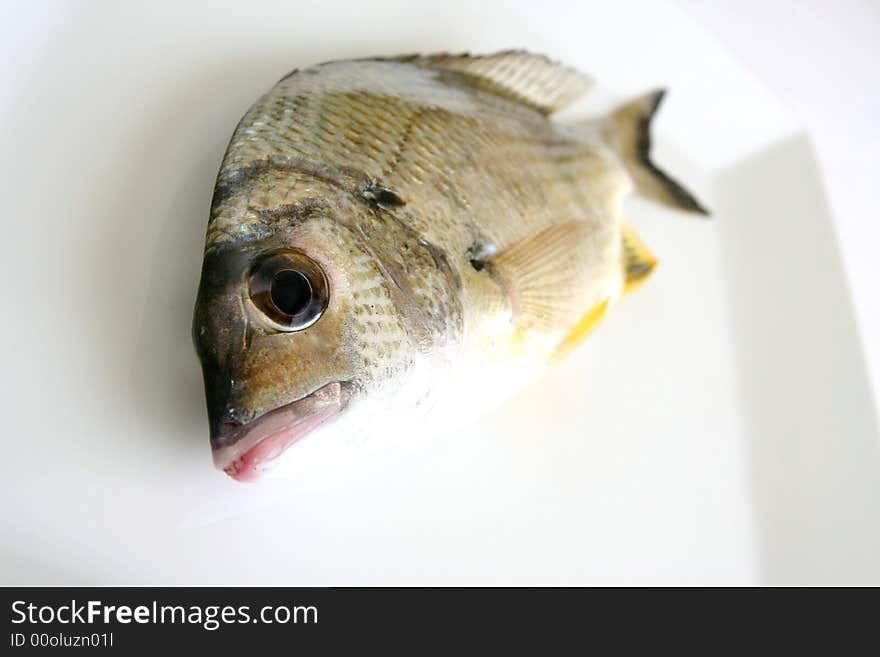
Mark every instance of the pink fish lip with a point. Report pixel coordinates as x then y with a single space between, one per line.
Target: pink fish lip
252 448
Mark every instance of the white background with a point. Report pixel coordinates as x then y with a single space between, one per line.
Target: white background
820 59
718 428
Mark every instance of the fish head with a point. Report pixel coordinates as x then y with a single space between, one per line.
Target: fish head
299 336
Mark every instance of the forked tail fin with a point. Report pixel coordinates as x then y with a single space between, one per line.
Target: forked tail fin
628 131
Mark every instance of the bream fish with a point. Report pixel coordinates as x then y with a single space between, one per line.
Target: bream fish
410 239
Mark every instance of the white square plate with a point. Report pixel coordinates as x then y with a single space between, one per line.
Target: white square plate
717 428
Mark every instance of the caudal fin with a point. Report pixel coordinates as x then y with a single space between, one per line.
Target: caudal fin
628 131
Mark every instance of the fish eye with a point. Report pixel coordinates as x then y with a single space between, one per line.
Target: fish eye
289 288
290 291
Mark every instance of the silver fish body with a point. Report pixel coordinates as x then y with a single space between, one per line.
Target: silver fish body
399 239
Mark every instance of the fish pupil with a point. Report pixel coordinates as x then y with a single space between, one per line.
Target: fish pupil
290 291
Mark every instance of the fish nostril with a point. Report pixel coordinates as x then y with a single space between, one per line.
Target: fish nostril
231 418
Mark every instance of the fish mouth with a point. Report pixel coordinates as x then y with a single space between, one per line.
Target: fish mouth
253 448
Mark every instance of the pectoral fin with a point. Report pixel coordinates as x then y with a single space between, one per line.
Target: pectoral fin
541 275
638 262
547 279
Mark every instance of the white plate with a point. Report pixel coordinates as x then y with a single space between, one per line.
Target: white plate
717 428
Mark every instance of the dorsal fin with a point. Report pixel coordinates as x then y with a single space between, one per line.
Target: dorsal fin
534 80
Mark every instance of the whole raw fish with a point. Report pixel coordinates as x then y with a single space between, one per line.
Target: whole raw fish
411 238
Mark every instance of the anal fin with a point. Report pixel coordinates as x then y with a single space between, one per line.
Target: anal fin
638 260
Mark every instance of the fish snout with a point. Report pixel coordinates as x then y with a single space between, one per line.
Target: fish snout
226 414
226 423
244 447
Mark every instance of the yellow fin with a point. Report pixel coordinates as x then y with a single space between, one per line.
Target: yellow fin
638 261
580 331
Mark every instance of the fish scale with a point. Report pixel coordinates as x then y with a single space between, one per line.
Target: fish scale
504 158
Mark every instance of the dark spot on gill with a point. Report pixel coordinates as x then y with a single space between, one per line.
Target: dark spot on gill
479 252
